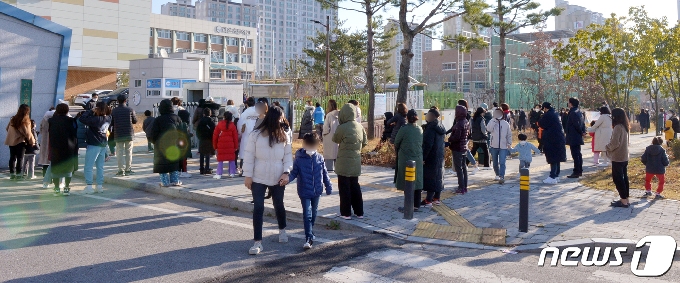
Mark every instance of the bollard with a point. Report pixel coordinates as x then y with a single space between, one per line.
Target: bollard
524 200
409 180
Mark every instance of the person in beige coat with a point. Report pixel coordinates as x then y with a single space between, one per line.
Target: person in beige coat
330 148
617 150
603 133
19 136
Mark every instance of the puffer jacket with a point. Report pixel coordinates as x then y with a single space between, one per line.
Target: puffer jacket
81 134
96 128
312 173
459 131
478 129
552 136
398 120
225 141
264 163
123 119
655 159
165 135
501 134
307 124
409 145
204 133
351 137
433 156
319 115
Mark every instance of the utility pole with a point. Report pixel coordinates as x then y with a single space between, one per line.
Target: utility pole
328 52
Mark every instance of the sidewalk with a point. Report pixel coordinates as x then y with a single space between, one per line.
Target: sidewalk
486 216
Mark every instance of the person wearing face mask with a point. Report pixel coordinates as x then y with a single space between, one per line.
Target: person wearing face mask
310 170
534 116
554 142
245 126
524 149
501 142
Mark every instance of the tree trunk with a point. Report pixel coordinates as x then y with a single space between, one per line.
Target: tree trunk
405 67
501 57
370 85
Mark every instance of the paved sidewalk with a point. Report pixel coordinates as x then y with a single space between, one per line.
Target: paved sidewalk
560 212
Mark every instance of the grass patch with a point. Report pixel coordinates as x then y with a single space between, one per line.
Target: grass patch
333 225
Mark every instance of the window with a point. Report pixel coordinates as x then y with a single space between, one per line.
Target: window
199 37
216 39
182 35
215 74
480 64
247 59
164 33
153 93
480 85
151 32
448 66
231 75
231 57
466 87
182 50
216 56
449 86
466 67
138 83
232 41
246 75
197 51
171 93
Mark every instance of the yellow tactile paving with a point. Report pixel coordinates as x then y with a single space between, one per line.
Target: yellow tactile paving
493 240
451 216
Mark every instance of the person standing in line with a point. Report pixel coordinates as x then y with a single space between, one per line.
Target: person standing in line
233 109
165 134
398 120
358 114
534 116
655 160
409 145
123 119
19 136
307 123
617 149
501 142
185 141
267 163
198 112
672 130
81 130
576 130
644 121
603 132
310 170
204 132
554 142
660 121
44 155
522 120
351 138
225 142
564 118
458 143
319 116
479 135
246 124
97 121
63 148
176 104
29 157
146 127
524 149
330 149
433 158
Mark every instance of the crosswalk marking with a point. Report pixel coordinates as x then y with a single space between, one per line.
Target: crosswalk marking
346 274
600 275
444 268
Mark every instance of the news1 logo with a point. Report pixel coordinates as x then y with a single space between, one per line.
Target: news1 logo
658 262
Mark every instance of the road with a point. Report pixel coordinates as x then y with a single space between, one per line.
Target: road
125 235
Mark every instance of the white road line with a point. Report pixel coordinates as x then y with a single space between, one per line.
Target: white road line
444 268
619 277
346 274
211 219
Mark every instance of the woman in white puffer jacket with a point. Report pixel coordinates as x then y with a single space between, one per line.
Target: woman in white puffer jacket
267 161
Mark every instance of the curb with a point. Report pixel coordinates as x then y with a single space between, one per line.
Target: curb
580 243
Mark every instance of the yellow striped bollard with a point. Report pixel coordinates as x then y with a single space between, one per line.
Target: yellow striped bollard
524 200
409 182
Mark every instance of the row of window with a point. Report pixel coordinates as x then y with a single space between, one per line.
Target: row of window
200 37
481 64
466 85
230 75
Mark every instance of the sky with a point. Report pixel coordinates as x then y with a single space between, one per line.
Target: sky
655 8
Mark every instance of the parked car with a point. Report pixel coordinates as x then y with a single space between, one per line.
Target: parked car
111 98
81 99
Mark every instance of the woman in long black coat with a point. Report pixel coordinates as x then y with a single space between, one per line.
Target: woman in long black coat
168 150
63 148
554 142
644 121
433 158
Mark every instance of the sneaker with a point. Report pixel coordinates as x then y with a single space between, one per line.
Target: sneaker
461 191
283 237
603 164
66 192
46 185
163 185
208 172
129 173
120 173
359 217
659 196
549 181
574 176
178 184
62 185
184 175
437 201
426 203
217 177
100 189
12 177
498 178
255 249
89 190
56 192
501 181
647 194
618 203
474 171
346 217
308 244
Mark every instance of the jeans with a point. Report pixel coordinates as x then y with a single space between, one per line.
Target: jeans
499 156
330 165
124 155
258 191
205 162
94 155
461 169
169 178
620 177
432 195
350 196
29 166
16 157
485 149
554 170
578 159
309 207
648 182
524 164
470 157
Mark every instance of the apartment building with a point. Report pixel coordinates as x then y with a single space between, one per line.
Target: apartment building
181 8
575 17
421 43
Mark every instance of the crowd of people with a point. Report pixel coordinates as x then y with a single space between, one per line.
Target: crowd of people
255 141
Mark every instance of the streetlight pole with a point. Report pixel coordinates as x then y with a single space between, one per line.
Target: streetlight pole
655 88
328 48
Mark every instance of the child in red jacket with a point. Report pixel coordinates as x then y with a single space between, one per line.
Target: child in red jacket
225 142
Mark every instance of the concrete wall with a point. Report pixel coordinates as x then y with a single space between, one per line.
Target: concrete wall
26 52
162 69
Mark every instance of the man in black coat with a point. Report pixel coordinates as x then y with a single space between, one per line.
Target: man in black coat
92 102
433 157
576 130
123 119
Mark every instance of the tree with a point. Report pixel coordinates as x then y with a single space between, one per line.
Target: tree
470 10
544 78
510 16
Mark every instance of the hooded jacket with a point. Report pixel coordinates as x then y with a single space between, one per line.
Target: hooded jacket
501 134
460 130
655 159
409 146
204 133
225 141
351 138
165 135
433 156
307 123
265 163
246 124
603 132
97 126
311 175
319 115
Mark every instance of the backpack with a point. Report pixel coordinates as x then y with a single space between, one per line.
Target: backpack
676 124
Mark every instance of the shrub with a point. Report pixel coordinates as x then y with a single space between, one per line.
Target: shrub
674 148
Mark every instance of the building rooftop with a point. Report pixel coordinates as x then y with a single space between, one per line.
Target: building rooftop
531 36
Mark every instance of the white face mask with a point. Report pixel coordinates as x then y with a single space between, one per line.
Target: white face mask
537 109
310 152
522 142
95 99
497 115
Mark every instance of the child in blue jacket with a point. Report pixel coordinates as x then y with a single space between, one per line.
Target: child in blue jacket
310 170
525 151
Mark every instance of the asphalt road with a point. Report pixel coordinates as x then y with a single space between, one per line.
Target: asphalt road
125 235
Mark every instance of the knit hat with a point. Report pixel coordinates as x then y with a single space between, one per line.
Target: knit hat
412 113
486 107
